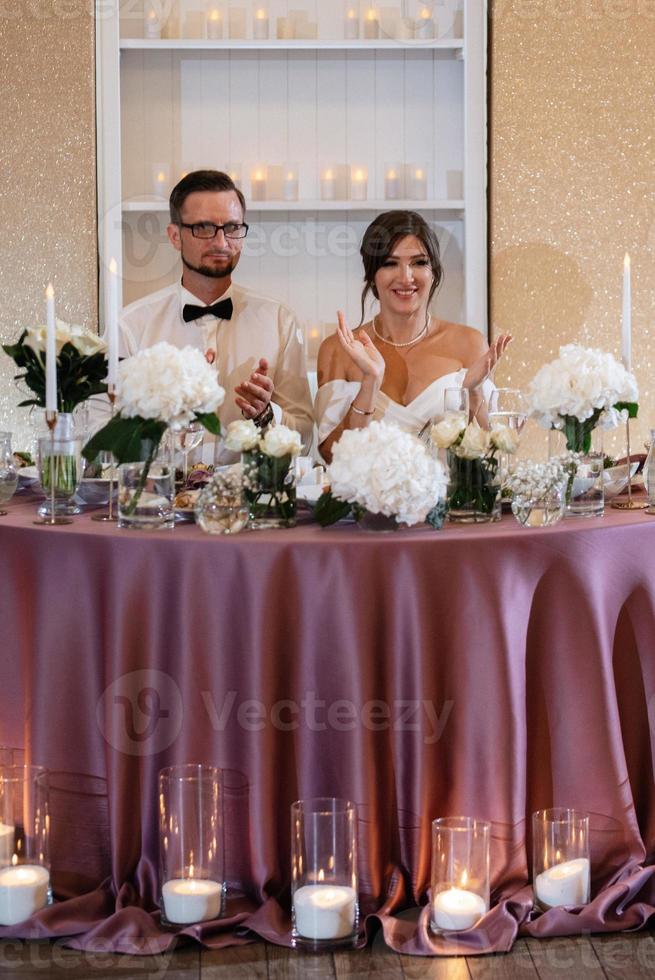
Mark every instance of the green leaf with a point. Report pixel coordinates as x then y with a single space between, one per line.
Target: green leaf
330 509
437 515
124 437
210 421
630 407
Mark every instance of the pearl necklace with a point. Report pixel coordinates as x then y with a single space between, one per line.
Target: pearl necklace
405 343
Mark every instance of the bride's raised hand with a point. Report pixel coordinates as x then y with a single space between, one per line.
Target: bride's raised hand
361 350
483 368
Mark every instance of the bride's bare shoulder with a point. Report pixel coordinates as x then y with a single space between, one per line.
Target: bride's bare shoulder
466 342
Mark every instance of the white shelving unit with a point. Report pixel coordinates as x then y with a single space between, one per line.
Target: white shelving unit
172 104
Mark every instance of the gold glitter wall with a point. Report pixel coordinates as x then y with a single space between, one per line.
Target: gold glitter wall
572 180
47 187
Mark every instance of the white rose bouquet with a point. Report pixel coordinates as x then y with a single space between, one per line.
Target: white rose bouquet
267 471
581 389
81 364
383 470
473 463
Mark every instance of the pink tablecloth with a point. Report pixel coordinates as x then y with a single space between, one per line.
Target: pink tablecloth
487 671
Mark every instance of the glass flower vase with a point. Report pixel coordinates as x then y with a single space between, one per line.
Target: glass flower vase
585 486
146 489
270 489
8 471
473 490
60 463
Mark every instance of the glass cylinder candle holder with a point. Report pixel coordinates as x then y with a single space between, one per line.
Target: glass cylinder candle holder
371 23
460 873
260 26
561 869
214 20
258 190
351 20
393 181
417 183
24 843
324 872
191 844
161 180
290 183
152 21
358 183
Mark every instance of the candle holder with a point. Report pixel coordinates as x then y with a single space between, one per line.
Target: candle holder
460 873
24 843
325 907
109 517
560 858
630 503
60 473
191 844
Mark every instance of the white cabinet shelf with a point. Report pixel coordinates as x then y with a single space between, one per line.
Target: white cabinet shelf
184 102
277 206
453 45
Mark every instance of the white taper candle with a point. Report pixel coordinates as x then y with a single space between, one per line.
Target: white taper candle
112 325
626 322
50 352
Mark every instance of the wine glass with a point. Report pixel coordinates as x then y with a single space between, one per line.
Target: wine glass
507 407
186 440
456 403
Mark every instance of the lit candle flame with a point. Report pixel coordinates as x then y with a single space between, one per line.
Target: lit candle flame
49 291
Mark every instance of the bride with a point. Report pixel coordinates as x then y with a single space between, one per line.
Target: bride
398 365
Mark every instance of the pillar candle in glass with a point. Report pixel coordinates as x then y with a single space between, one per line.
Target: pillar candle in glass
417 184
152 22
24 860
258 184
160 180
191 844
371 25
561 869
324 873
351 25
393 182
214 23
358 184
328 184
290 183
260 25
424 25
460 873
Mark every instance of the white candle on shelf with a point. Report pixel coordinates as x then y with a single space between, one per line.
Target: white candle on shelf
214 24
50 353
418 184
188 900
23 891
563 884
455 909
328 185
258 181
371 25
351 29
6 843
358 184
290 185
424 29
234 173
324 911
160 180
392 185
626 322
151 23
112 326
260 27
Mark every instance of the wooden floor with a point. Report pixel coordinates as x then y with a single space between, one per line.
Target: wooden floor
623 956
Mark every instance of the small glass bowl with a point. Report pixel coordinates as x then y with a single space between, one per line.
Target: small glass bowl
543 510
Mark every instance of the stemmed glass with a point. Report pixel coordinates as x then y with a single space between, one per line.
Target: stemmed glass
186 440
507 407
456 403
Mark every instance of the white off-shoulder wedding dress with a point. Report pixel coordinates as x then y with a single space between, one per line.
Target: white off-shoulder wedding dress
335 398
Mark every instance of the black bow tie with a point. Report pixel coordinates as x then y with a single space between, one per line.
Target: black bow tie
222 310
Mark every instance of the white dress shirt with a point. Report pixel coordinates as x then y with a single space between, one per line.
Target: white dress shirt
259 327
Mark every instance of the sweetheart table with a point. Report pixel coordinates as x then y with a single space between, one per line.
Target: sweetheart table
484 670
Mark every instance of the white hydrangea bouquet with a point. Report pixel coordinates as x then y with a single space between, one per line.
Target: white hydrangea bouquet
381 470
158 388
581 389
267 460
473 464
81 364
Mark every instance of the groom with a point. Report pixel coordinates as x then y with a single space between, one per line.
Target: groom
255 342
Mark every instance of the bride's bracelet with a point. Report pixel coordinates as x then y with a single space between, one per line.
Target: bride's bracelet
360 411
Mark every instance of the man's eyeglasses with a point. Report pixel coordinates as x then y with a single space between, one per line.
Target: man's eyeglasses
205 229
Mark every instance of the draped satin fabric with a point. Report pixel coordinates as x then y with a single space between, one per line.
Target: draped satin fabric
487 671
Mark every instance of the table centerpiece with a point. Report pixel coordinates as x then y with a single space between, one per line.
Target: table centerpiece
268 475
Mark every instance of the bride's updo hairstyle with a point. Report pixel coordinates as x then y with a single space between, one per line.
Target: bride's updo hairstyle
382 236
